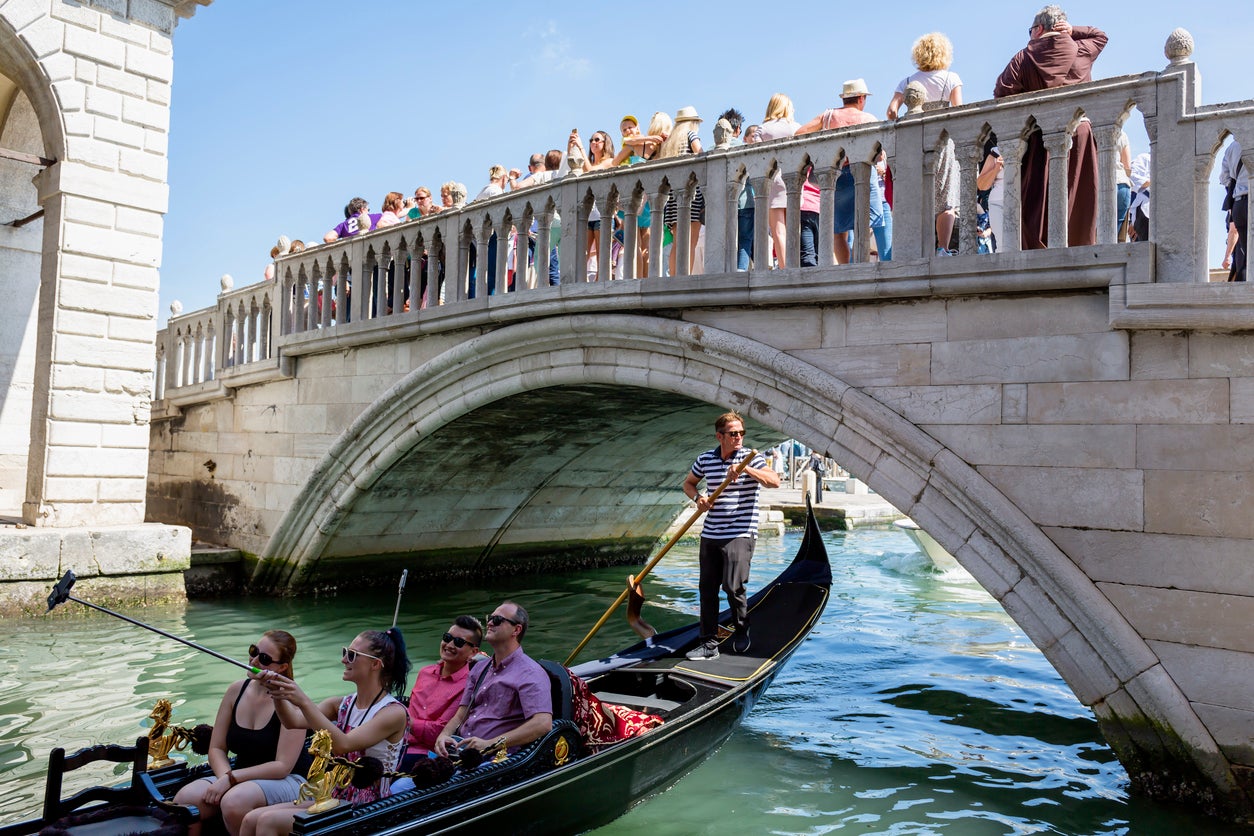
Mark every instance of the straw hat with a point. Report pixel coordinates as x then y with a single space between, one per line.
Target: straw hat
687 114
854 87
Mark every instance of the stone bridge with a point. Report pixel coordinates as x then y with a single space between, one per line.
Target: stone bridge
1073 424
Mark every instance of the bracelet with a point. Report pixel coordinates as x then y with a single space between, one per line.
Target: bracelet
230 776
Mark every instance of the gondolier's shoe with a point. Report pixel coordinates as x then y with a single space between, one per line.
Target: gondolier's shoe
741 641
704 652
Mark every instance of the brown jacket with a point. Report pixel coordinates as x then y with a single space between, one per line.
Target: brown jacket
1052 60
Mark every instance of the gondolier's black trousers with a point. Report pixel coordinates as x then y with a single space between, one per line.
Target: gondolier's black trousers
724 563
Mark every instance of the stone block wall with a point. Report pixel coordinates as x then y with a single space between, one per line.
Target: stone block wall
98 79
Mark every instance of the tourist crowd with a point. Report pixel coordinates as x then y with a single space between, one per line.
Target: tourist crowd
1058 53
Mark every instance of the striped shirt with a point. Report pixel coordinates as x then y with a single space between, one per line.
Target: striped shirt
735 512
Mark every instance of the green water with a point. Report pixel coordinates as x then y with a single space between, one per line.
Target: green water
916 707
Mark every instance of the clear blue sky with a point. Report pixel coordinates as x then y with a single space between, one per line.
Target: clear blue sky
284 109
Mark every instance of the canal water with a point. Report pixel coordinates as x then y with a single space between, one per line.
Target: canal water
916 707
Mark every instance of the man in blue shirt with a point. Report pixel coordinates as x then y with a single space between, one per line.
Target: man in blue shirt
729 531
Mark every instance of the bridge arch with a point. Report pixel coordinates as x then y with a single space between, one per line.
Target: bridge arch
1142 711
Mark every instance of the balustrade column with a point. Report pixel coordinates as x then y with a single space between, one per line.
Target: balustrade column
631 235
862 173
481 262
792 223
1107 138
683 231
522 279
250 333
968 164
159 376
199 356
544 244
460 274
1012 148
826 181
184 360
605 246
264 327
1057 145
656 249
761 223
927 199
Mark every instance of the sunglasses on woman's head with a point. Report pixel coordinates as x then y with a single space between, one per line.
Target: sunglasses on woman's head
261 656
457 641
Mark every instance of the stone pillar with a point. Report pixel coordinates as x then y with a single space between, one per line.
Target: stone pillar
88 458
761 223
1057 143
1107 139
792 223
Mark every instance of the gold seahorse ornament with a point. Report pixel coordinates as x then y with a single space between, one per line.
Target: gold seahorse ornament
324 775
160 742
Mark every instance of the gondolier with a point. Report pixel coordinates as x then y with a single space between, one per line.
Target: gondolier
729 531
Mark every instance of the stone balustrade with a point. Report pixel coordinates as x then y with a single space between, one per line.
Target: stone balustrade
399 274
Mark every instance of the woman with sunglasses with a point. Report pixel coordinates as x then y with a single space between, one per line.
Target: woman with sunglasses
438 689
268 762
370 722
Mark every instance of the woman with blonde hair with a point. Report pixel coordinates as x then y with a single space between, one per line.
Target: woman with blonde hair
932 54
683 141
778 123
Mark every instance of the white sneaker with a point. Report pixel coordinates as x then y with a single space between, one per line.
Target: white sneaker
704 652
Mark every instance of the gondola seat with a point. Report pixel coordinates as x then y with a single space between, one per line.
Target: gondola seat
136 808
563 695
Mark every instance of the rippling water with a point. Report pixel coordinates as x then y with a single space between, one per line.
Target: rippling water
916 707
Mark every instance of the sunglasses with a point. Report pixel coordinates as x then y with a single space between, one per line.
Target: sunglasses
261 656
735 433
457 641
495 620
349 655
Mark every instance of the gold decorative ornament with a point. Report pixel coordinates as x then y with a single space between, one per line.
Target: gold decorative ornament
561 751
159 741
325 775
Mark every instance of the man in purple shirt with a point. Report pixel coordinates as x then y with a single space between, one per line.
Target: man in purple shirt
356 215
507 702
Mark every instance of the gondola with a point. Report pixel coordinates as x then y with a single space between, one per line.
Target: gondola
555 784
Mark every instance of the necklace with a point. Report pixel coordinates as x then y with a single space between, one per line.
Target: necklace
365 713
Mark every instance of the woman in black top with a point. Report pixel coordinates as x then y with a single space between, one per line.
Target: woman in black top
266 754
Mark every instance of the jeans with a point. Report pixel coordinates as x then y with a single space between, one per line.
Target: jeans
744 238
884 234
809 239
1123 200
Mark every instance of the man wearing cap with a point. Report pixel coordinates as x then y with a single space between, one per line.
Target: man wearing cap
853 96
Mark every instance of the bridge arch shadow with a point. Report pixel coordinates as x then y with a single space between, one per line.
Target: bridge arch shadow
648 388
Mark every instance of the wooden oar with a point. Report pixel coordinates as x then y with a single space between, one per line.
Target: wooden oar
61 593
732 475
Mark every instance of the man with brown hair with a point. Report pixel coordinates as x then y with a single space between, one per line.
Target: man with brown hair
729 531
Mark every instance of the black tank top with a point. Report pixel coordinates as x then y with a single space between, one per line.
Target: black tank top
252 746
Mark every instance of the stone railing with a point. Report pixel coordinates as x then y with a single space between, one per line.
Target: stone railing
400 272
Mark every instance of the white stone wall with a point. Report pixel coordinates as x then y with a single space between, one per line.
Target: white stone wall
99 77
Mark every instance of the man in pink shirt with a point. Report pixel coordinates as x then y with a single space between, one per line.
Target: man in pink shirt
853 96
438 689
